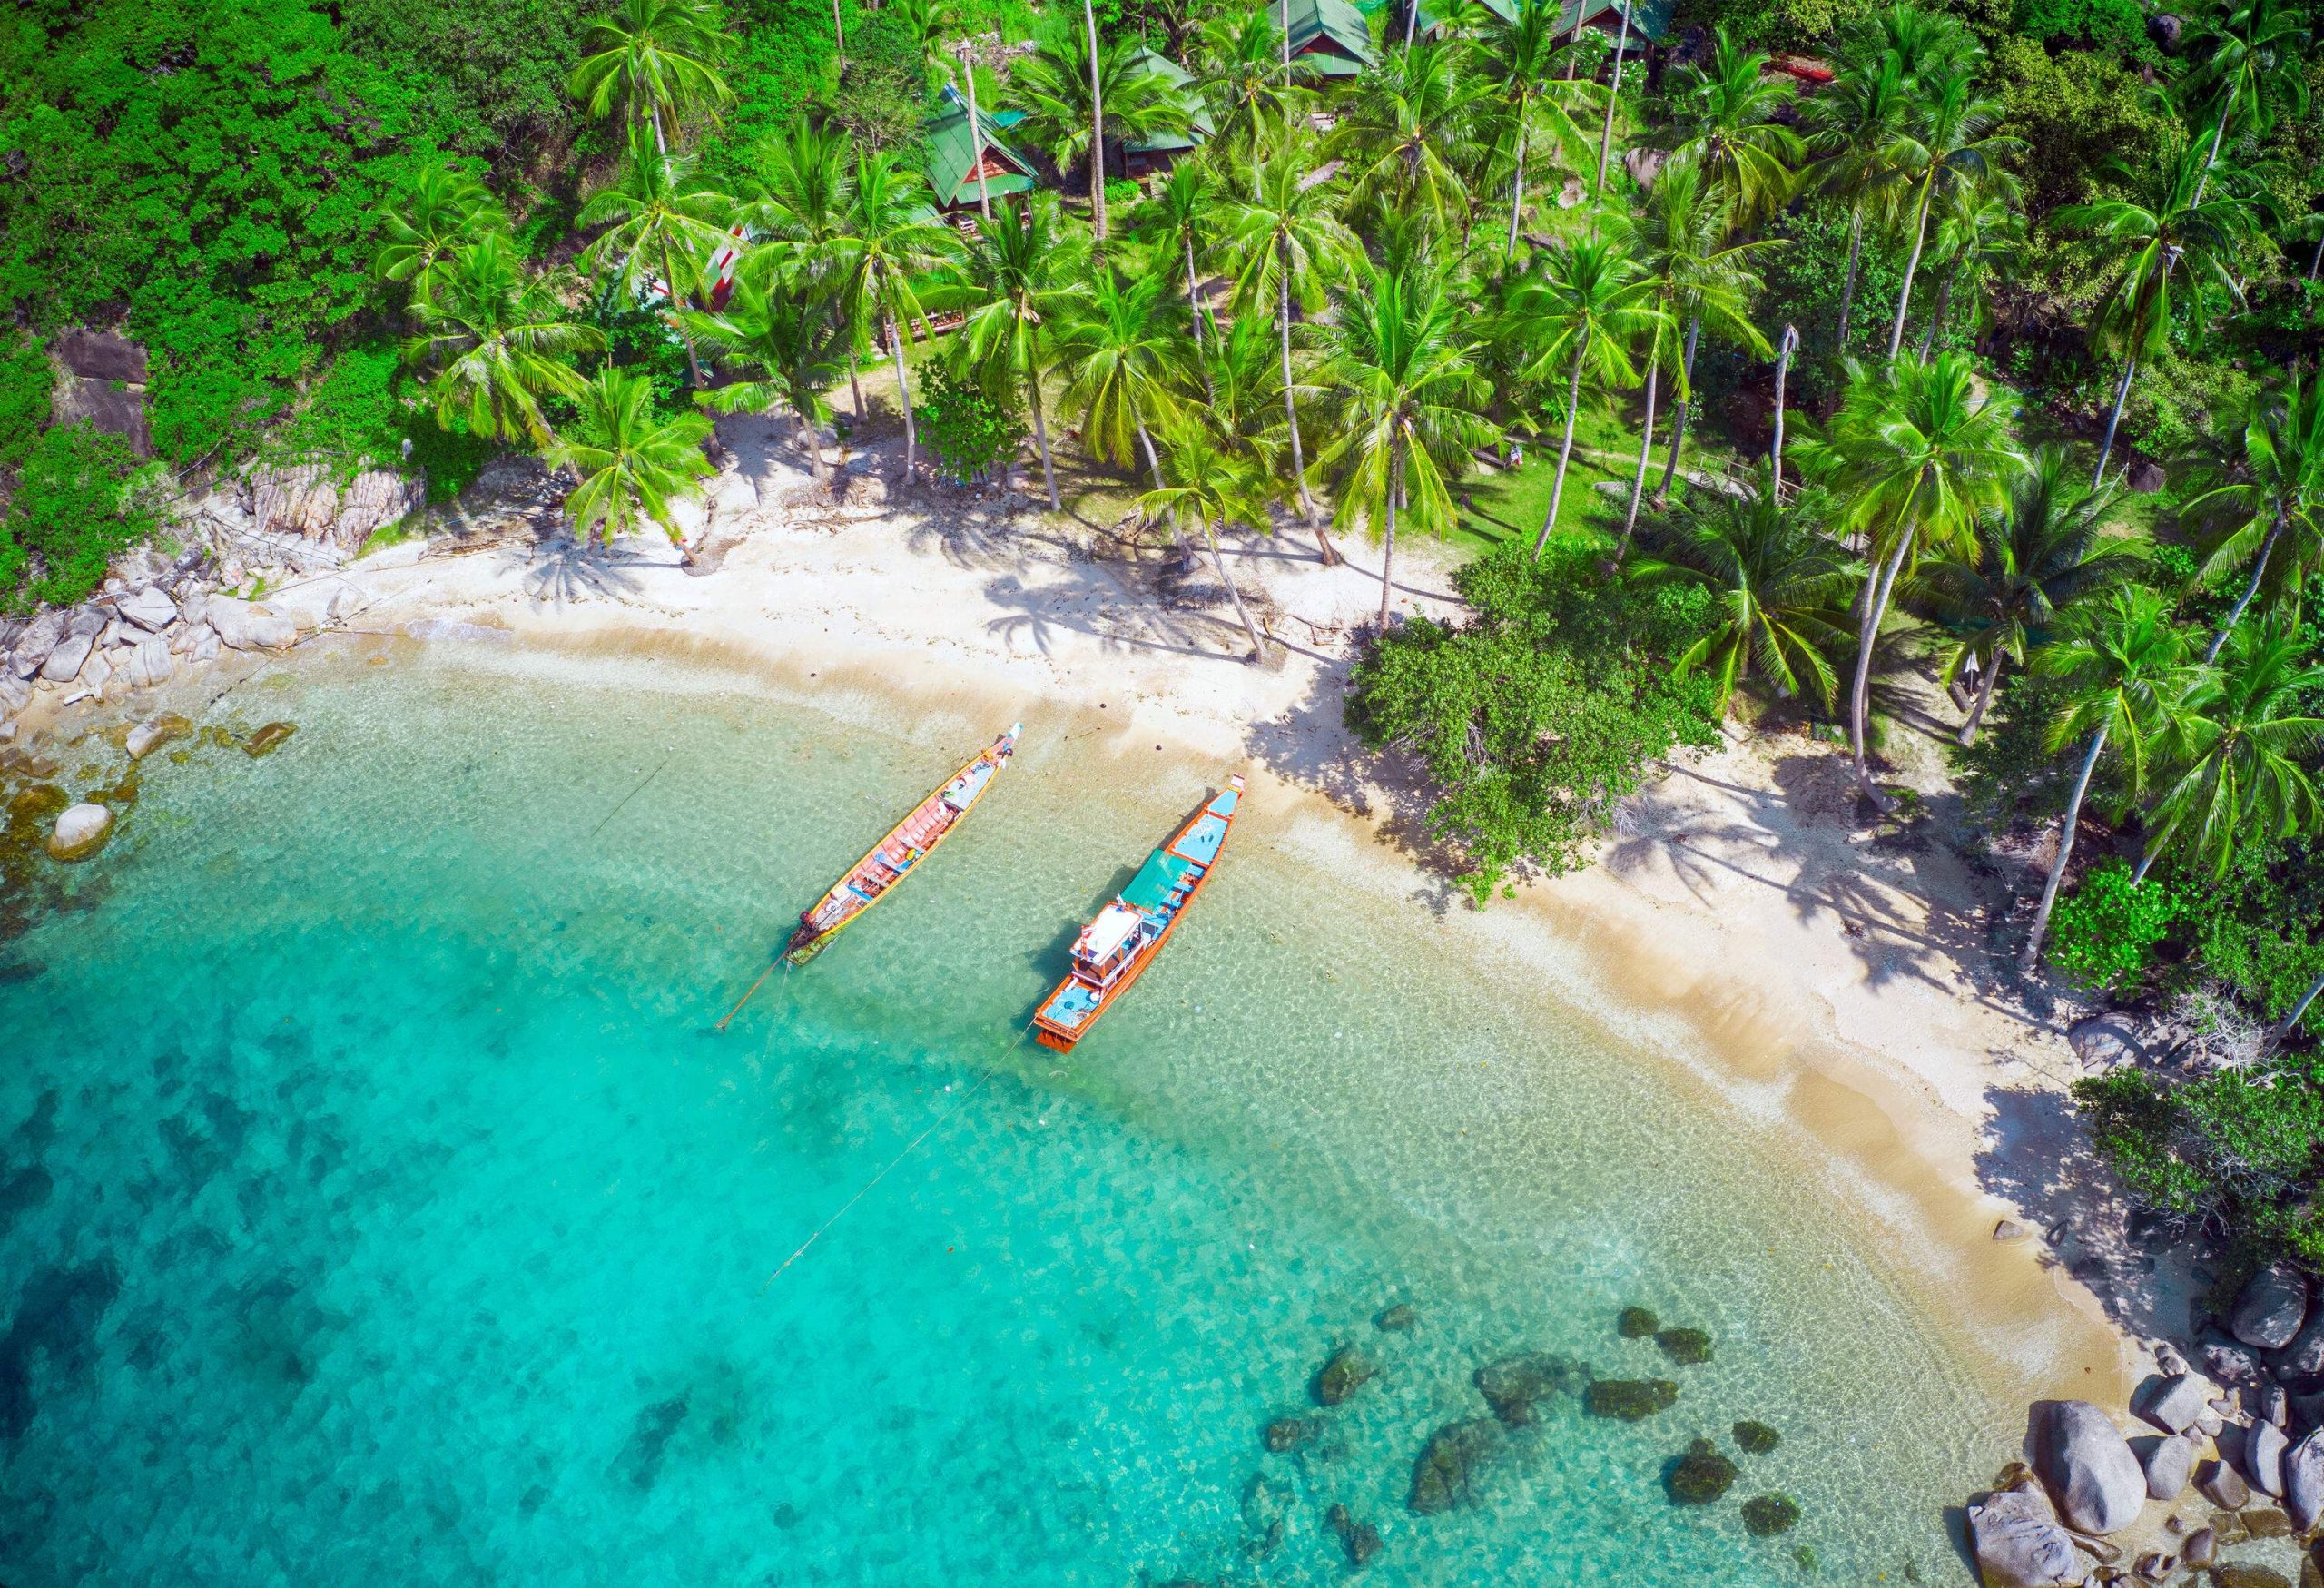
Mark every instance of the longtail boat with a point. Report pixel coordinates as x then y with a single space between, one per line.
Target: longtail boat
1113 949
890 860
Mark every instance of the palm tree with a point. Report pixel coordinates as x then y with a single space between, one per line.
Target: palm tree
1067 105
888 240
800 186
1242 384
657 57
1526 96
1782 587
495 343
1979 237
631 465
1590 306
1246 89
1916 455
2280 497
2124 666
1204 477
661 230
787 337
2003 596
1023 276
2159 225
1404 390
445 209
1724 120
2249 742
1409 130
2253 59
1184 211
1856 130
1119 349
1292 246
1952 143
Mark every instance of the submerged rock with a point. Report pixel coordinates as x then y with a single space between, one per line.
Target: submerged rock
1756 1439
2243 1575
1264 1505
2201 1548
1513 1384
1765 1515
2266 1521
268 739
1290 1433
1445 1474
1359 1540
155 732
80 832
1399 1320
1636 1323
1347 1371
2098 1483
1686 1347
1702 1475
1631 1399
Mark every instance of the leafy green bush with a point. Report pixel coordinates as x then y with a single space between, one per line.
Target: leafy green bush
355 414
77 502
25 384
784 63
2074 112
1538 717
883 96
2261 929
2107 928
2113 24
483 76
1803 280
968 431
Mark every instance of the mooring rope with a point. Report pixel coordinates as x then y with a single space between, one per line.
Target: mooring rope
632 794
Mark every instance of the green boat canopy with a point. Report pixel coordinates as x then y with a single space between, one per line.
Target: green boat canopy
1162 874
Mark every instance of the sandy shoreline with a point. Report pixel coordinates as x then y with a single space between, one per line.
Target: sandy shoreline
1819 984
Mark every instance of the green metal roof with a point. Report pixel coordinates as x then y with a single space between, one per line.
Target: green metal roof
1200 127
1650 19
952 157
1332 34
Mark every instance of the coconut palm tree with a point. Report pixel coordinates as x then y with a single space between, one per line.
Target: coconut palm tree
1979 237
1526 102
1782 587
2002 595
1024 277
662 226
633 464
1724 120
658 59
2249 740
1855 130
1291 246
888 240
1120 349
1242 382
1951 143
1184 214
1915 454
2272 514
2158 225
1204 477
1583 312
1410 131
1694 274
800 185
445 209
2253 60
788 336
1244 83
494 342
1066 106
1404 389
2124 670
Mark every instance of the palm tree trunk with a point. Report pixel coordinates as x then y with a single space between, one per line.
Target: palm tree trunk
839 28
1645 448
2121 396
1606 132
976 135
855 383
1912 264
1388 536
2290 1022
1258 644
1565 452
1789 345
1936 316
1847 282
2219 137
814 448
1291 412
1679 410
1860 692
1041 436
2259 569
1517 187
2032 953
1984 698
903 397
677 313
1097 130
1194 308
1154 464
1411 20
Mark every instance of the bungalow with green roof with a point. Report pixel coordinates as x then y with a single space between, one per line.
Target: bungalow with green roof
1650 19
1329 37
1141 157
956 153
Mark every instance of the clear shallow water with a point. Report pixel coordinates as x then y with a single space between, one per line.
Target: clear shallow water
374 1207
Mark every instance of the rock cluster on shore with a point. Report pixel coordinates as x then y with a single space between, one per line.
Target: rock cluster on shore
2240 1436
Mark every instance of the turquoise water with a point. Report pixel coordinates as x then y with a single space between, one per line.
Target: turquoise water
375 1206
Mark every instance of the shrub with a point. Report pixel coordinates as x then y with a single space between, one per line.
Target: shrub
25 384
2112 25
78 501
2106 929
968 430
2074 111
